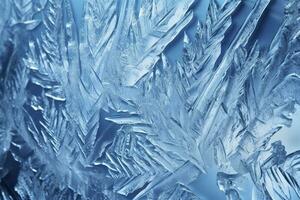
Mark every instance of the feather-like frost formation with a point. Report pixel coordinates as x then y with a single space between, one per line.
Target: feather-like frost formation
95 109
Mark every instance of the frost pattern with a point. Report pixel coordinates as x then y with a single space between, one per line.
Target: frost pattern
96 110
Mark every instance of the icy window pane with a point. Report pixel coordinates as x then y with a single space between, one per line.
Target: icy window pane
149 99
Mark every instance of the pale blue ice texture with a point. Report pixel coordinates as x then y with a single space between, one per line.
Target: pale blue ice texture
150 99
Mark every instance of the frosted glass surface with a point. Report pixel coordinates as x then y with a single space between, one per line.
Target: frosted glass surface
150 99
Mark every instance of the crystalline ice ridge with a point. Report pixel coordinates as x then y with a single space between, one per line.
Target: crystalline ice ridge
95 108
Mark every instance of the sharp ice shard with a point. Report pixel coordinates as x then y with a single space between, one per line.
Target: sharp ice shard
144 99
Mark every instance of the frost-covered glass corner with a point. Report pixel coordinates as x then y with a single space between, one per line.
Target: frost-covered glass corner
149 99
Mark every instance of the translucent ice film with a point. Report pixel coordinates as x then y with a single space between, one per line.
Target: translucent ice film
149 99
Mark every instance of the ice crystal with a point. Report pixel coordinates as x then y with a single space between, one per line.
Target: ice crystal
94 107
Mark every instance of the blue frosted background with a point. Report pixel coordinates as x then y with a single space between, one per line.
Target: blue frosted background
206 186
